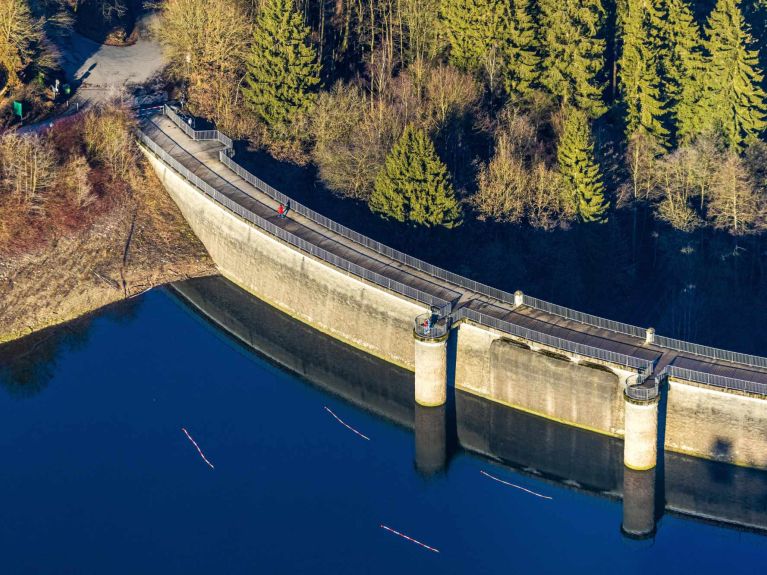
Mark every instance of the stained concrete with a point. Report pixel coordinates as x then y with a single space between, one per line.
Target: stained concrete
696 420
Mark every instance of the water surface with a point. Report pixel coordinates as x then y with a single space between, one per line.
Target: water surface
98 476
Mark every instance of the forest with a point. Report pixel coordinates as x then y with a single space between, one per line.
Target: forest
547 113
608 155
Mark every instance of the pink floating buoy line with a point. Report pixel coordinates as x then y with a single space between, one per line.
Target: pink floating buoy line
346 425
205 459
390 530
493 477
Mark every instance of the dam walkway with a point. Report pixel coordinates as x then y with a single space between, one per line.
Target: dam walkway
204 158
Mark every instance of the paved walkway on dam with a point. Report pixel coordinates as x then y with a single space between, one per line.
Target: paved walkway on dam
202 159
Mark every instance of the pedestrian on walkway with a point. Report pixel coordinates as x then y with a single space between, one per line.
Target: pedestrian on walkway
281 211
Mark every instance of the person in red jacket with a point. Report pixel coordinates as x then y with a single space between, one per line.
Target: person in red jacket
281 210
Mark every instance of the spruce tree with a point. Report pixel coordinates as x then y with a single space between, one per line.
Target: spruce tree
521 50
573 52
474 30
639 72
414 184
733 101
579 168
682 66
282 68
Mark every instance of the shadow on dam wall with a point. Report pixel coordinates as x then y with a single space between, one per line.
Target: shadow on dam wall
578 459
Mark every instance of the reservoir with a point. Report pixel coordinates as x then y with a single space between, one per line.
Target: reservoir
197 430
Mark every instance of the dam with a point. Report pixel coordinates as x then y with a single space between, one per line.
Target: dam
618 380
581 460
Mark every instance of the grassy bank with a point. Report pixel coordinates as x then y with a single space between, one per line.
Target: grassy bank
62 256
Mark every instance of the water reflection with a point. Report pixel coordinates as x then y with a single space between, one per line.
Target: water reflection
28 364
552 452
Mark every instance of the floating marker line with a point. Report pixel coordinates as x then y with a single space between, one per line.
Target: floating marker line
409 538
512 485
205 459
346 424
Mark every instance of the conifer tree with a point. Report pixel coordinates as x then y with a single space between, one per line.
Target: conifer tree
573 52
282 69
733 101
414 184
521 50
682 66
475 30
640 79
579 168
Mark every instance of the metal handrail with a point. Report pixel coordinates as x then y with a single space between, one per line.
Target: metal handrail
431 326
584 318
644 366
286 236
199 135
440 273
361 239
711 352
643 393
715 380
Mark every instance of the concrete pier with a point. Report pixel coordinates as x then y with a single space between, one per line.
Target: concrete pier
430 370
638 503
430 439
640 441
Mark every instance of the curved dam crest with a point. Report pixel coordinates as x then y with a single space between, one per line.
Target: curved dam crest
517 355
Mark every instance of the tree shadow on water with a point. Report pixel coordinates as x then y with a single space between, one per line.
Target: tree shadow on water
28 365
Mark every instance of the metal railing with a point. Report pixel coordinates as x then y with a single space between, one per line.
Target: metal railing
644 366
440 273
361 239
200 135
643 393
715 380
442 307
431 326
286 236
584 318
711 352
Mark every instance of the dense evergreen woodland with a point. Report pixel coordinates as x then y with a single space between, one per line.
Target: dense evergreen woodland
547 113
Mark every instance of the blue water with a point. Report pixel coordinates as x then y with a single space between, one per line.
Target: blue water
97 476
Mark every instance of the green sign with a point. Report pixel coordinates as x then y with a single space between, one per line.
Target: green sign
17 108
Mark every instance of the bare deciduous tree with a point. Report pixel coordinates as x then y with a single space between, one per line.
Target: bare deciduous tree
735 204
28 170
207 42
518 182
109 138
449 93
76 177
20 33
351 139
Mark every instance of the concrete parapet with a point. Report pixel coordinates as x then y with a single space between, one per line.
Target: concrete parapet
430 439
640 440
638 503
430 370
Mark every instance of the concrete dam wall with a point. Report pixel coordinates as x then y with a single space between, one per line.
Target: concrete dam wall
533 445
586 392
